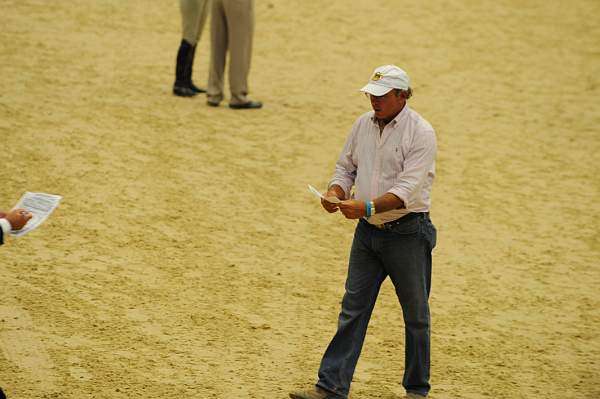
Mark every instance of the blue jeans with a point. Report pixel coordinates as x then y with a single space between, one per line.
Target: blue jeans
402 252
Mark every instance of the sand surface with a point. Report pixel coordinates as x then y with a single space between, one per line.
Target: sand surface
188 260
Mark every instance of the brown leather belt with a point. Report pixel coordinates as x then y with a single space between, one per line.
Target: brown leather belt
403 219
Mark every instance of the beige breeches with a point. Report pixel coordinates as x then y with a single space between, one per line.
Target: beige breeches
193 17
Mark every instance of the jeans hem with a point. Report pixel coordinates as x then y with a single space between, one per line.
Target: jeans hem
331 390
418 393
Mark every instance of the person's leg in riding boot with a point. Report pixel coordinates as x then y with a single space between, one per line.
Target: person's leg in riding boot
190 66
181 86
193 17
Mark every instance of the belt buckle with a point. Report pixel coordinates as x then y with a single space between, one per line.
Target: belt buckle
380 226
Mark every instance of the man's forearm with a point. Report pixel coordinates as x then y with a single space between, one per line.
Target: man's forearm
387 202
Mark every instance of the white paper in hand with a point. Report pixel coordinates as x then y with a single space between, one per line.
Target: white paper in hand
40 205
333 200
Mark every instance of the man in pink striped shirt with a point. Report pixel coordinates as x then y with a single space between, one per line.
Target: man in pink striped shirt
389 160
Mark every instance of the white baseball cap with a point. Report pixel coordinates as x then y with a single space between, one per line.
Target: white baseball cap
386 78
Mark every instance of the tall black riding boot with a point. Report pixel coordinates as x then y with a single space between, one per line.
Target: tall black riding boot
190 66
181 87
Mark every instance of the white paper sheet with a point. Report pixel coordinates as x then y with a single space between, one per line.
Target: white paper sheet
40 205
333 200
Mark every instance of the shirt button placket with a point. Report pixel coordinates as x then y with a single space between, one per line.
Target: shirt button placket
376 172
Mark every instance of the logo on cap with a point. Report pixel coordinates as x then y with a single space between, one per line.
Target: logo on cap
377 76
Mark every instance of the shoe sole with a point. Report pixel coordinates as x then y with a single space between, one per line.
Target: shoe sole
242 107
184 94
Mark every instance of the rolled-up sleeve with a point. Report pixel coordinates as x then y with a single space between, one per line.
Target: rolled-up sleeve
419 163
345 169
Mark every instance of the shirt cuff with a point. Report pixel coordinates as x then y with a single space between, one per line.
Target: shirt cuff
5 225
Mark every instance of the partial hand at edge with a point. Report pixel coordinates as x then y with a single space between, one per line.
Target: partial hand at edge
18 218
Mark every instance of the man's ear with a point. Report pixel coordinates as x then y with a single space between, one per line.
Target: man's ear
405 94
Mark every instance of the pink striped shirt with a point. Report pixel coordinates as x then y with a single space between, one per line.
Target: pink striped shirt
400 160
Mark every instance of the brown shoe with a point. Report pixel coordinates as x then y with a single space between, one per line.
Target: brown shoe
315 393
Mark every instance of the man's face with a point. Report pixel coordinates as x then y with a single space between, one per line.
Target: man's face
386 107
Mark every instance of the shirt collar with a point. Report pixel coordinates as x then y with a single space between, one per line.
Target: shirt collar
396 120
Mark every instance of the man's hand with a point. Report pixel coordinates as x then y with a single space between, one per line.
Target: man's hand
353 209
330 206
18 218
334 191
